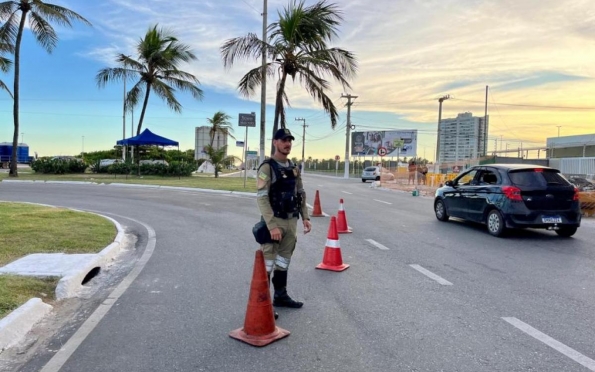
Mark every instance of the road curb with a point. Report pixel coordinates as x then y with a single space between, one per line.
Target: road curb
20 321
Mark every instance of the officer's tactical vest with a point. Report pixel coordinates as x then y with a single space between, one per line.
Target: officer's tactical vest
283 195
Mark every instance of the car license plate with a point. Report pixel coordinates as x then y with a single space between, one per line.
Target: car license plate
551 219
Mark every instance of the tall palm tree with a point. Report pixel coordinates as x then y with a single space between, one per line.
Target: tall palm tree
157 65
40 15
297 46
5 65
220 124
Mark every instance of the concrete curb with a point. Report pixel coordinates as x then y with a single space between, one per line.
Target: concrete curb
20 321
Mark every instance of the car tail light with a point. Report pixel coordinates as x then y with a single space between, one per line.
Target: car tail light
539 170
512 193
576 194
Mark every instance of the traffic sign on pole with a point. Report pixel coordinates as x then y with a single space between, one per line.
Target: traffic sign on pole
382 151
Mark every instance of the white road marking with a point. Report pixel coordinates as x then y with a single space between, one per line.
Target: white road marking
62 356
376 244
381 201
345 192
320 185
431 275
554 344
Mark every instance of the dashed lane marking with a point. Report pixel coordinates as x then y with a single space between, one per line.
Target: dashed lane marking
431 275
345 192
382 201
554 344
377 245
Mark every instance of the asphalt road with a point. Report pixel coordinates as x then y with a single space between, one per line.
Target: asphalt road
420 295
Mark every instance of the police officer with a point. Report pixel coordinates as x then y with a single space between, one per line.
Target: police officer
281 200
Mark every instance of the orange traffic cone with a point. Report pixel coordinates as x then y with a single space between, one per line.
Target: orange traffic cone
332 259
316 210
342 226
259 324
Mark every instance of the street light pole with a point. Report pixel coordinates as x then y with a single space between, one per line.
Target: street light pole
303 142
124 121
22 137
348 131
83 148
440 100
263 85
559 126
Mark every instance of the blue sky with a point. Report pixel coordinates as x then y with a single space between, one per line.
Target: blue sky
530 52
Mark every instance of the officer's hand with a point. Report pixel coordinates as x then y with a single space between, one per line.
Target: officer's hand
276 234
307 226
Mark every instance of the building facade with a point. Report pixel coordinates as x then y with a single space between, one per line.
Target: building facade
462 138
202 138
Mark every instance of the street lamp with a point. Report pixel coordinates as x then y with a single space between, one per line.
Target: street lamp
559 126
83 148
22 137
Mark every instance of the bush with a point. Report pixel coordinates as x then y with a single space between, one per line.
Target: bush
58 166
174 169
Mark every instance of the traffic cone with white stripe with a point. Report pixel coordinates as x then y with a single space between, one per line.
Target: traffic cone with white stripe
342 226
332 260
317 210
259 325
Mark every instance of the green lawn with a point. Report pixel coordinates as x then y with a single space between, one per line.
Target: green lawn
27 228
201 181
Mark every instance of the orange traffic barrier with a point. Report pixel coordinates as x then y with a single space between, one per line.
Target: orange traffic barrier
317 210
332 259
342 226
259 325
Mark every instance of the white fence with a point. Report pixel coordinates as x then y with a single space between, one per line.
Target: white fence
585 166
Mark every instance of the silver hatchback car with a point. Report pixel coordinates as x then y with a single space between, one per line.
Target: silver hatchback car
371 174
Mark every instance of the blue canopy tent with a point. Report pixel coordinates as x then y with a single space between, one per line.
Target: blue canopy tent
147 138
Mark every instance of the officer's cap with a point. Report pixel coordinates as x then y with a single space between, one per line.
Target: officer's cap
282 134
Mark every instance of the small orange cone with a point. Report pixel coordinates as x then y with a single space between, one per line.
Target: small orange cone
316 210
332 259
259 324
342 226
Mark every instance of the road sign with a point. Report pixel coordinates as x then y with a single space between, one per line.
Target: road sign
251 155
240 143
382 151
337 157
247 120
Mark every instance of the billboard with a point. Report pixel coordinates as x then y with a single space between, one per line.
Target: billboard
398 143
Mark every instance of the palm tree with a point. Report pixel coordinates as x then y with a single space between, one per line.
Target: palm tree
157 66
297 46
220 124
40 14
5 65
218 158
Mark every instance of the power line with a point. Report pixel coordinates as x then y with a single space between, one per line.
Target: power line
526 105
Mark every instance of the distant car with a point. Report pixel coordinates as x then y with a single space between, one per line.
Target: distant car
583 184
153 162
371 174
108 162
504 196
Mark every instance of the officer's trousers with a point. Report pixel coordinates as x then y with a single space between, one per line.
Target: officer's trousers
277 256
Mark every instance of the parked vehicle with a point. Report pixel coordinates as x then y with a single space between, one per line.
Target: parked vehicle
374 173
108 162
504 196
583 184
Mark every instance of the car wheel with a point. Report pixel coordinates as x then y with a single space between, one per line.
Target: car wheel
495 223
440 211
363 180
566 231
378 178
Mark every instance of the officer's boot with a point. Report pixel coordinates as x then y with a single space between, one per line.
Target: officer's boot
274 312
281 298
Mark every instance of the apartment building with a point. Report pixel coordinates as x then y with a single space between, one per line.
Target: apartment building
464 137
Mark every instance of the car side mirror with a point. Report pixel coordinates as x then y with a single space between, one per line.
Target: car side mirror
450 183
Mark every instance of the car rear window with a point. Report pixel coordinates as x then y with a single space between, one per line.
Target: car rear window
370 169
540 177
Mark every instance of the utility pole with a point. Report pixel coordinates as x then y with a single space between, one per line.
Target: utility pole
348 131
124 121
303 142
263 85
440 100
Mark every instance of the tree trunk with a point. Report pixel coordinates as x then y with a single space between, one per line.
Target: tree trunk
17 75
278 109
142 113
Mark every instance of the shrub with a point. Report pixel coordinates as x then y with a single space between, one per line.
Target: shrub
58 166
